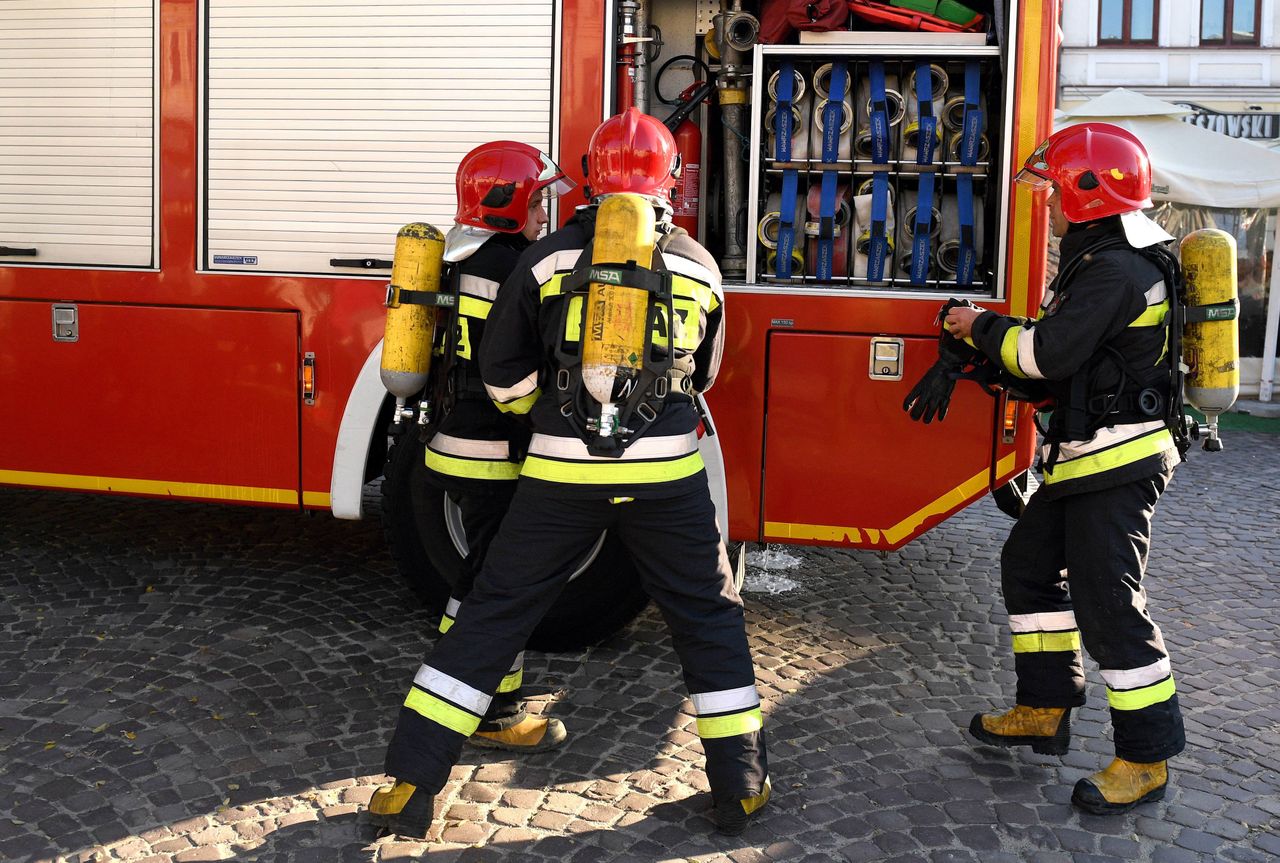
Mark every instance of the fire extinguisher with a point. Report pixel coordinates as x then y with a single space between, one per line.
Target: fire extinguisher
684 197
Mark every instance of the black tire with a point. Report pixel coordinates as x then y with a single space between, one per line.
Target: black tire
601 599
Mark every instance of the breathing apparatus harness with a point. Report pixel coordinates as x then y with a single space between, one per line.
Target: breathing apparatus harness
643 399
1136 395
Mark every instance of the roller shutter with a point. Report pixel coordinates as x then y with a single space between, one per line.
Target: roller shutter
77 132
331 124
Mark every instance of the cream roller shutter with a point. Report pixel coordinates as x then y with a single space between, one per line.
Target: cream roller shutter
331 124
77 132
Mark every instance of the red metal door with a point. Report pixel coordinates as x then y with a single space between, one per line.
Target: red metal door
843 464
164 401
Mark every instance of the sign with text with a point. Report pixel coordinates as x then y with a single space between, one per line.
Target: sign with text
1245 124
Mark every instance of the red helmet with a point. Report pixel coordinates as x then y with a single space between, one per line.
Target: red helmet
497 182
1100 170
632 152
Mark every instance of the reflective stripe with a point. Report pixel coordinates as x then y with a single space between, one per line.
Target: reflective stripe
518 662
609 471
1095 463
692 289
573 321
1157 293
1136 699
452 606
677 265
477 286
472 308
1153 316
452 688
520 406
1044 621
658 446
560 262
427 705
1027 353
1132 678
1009 351
1046 642
446 623
471 468
725 700
1105 438
551 287
518 390
469 447
731 725
512 681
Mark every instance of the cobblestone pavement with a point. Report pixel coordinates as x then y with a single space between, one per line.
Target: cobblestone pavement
188 682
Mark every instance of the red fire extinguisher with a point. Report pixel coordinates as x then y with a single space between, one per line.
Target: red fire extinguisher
684 198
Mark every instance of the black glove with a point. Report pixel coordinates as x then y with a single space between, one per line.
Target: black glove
932 393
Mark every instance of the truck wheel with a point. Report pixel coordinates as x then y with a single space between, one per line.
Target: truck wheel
1011 498
425 535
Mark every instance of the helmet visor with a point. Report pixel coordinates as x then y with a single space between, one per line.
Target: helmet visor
1028 178
552 179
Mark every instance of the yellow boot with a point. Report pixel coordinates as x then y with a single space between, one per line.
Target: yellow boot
530 734
1121 786
1047 730
404 809
732 816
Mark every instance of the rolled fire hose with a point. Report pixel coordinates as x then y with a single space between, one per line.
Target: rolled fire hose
897 110
947 254
862 230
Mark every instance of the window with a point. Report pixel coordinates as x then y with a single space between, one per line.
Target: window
1229 22
1129 22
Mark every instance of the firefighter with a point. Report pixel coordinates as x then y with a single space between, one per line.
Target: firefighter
475 452
653 497
1072 567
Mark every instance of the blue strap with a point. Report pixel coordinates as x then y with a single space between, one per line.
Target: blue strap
971 128
967 261
927 129
832 117
879 251
921 241
783 124
879 117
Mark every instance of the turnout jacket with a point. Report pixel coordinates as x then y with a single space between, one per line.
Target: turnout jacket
1099 340
474 443
519 365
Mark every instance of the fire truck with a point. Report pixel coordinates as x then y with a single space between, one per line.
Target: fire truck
199 201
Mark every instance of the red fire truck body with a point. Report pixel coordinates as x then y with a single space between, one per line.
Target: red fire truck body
188 374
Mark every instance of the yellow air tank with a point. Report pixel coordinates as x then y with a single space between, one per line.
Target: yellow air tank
1210 344
406 345
613 338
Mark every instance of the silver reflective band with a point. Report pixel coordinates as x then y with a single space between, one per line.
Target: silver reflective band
725 700
519 662
666 446
451 608
1106 437
475 286
1045 621
517 391
452 689
467 448
1027 353
1133 678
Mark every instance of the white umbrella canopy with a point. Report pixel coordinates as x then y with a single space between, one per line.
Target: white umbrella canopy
1189 165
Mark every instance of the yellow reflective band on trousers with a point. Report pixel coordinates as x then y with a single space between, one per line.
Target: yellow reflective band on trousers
1046 642
1009 351
446 623
1136 699
731 725
520 405
512 681
471 468
1092 463
454 718
609 472
1153 317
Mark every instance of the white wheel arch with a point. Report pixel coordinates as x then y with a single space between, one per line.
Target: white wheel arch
354 436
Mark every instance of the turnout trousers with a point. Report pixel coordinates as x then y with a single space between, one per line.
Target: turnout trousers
482 512
681 559
1072 571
